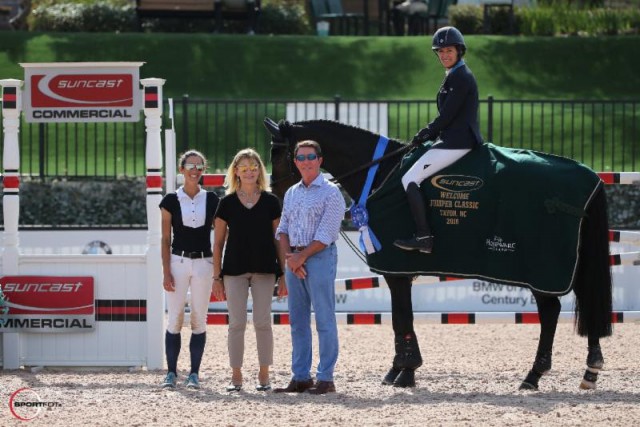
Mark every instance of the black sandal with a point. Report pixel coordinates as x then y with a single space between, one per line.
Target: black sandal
263 387
234 387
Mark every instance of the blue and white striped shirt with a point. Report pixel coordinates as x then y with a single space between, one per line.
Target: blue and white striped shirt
312 213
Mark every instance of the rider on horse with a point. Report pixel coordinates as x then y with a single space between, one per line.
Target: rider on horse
455 131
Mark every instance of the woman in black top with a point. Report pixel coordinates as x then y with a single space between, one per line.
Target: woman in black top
455 131
186 263
246 220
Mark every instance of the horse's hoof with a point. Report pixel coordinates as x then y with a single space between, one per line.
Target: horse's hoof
587 385
407 378
391 376
528 386
589 379
531 381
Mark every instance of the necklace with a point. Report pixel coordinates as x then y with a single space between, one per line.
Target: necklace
249 200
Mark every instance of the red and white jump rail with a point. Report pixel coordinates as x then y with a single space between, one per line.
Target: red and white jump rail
519 318
625 178
631 237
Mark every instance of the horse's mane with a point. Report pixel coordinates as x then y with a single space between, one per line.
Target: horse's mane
344 126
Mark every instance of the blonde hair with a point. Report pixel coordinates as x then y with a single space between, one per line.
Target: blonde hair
232 180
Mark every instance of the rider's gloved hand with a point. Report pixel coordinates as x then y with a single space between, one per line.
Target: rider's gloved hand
422 136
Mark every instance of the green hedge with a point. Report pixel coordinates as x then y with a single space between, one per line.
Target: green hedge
122 202
289 17
114 202
100 16
277 17
548 21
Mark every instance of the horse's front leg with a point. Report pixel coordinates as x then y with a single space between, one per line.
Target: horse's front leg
407 352
549 311
595 362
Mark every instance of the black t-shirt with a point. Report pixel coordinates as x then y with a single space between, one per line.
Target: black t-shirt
190 239
250 244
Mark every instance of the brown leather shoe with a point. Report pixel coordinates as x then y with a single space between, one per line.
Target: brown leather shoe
323 387
295 387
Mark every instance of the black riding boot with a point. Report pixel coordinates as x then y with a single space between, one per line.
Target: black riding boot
423 240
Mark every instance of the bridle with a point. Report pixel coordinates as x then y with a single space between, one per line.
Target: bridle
286 157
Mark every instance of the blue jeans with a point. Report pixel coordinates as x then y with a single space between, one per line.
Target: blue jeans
317 289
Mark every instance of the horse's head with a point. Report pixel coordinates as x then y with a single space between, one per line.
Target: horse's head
345 149
283 173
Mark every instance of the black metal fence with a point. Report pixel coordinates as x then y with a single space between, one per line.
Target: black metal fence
602 134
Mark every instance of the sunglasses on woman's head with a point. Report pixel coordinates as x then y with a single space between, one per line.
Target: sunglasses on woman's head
243 168
302 157
189 166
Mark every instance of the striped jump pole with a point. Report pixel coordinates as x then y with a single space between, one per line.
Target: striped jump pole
625 178
152 107
627 258
11 109
620 236
384 318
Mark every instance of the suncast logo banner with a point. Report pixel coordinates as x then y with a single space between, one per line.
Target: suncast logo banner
48 304
82 92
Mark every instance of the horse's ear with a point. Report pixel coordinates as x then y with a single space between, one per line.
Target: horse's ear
273 128
285 128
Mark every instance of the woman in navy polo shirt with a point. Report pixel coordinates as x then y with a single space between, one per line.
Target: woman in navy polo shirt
186 263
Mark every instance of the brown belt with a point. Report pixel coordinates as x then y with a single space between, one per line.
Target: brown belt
297 248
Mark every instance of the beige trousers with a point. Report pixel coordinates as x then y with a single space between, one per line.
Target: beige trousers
237 292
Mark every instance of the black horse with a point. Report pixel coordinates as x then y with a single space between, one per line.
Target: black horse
347 154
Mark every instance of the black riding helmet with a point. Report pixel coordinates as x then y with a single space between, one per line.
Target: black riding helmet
449 36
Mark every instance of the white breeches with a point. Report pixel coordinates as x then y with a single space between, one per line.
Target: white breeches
195 274
431 162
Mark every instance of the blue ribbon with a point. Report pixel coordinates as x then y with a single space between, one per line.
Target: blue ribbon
369 243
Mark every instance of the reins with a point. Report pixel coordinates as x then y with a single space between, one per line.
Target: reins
371 163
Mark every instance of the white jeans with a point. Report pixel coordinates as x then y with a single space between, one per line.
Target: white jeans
434 160
195 274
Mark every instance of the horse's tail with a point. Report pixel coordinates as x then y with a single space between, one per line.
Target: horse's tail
592 287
